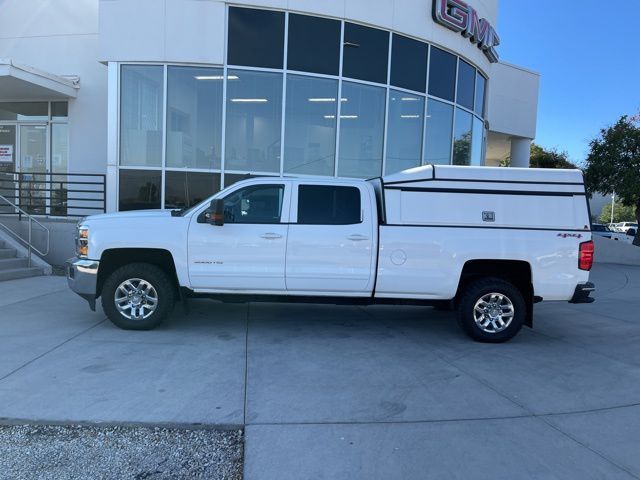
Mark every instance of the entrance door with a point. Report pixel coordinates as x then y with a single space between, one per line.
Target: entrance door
7 166
32 159
247 253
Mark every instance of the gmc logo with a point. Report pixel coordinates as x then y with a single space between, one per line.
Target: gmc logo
458 16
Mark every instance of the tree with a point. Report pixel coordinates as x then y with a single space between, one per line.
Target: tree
621 213
552 158
613 164
544 158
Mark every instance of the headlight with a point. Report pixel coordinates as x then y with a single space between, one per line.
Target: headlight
82 242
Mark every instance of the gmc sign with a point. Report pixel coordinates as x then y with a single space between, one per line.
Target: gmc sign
460 17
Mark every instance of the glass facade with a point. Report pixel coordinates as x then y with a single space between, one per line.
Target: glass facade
310 125
254 121
194 117
361 130
294 99
404 131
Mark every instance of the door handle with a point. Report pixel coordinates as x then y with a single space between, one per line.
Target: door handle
271 236
357 238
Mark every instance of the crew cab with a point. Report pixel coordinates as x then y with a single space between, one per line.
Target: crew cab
488 242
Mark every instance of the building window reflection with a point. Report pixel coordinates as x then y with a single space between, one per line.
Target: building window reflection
310 125
194 117
462 138
404 131
361 130
254 120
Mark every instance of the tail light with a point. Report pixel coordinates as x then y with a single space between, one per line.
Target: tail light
585 258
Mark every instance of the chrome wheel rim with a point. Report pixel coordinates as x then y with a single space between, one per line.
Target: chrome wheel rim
136 299
493 312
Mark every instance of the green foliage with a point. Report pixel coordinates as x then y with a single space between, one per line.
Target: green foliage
462 150
613 164
621 213
544 158
552 158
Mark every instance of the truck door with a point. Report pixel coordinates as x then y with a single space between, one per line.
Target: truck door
247 253
331 240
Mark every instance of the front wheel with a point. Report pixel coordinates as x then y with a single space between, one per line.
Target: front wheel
491 310
138 296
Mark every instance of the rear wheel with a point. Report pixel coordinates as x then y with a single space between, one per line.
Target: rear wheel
491 310
138 296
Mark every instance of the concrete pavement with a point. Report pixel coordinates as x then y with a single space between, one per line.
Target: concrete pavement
345 392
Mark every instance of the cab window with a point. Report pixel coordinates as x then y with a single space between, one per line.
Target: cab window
328 205
254 204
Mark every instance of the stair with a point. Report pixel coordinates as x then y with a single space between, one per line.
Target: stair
12 266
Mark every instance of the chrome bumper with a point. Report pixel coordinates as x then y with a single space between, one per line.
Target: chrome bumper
82 277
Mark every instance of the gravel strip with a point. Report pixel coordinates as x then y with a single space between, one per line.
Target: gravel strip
100 452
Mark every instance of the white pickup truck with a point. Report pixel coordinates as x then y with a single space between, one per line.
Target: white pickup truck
489 242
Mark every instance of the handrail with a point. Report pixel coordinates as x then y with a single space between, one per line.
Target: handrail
64 194
28 243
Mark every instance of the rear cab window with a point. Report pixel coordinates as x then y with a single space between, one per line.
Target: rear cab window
329 205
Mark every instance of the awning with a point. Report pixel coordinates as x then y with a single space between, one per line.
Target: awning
20 82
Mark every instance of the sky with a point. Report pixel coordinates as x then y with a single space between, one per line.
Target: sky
588 55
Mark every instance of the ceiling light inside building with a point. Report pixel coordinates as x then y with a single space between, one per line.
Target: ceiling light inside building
215 77
249 100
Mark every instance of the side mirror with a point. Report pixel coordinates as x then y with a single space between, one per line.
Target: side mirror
215 213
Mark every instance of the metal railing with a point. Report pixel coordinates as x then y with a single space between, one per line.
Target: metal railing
55 194
29 243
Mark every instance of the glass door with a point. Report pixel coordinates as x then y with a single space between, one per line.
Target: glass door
8 153
33 168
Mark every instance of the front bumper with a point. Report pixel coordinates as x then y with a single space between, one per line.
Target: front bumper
581 295
82 277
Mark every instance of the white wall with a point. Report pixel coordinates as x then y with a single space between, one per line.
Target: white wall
193 30
61 37
513 100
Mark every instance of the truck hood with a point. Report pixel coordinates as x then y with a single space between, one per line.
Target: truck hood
131 214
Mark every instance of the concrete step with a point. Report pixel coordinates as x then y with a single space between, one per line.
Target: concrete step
15 273
8 252
12 263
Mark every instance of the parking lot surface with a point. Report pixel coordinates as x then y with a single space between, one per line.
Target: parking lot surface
345 392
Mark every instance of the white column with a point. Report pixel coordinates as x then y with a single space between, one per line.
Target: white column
112 137
520 152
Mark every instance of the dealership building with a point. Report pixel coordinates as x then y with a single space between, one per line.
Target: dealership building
171 100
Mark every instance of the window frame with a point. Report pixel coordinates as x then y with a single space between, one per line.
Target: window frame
257 186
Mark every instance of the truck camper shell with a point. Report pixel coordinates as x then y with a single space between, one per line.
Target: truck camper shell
485 197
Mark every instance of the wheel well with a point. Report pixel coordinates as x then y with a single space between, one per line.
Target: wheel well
115 258
517 272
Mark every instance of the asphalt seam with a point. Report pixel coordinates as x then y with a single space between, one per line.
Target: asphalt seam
230 426
246 366
51 350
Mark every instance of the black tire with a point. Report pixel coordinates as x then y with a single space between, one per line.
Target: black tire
164 295
480 288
